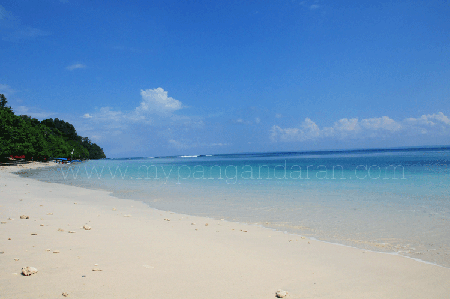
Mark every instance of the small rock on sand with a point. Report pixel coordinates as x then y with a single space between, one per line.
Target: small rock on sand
3 222
27 271
86 227
71 232
281 294
206 224
16 259
24 217
65 294
97 269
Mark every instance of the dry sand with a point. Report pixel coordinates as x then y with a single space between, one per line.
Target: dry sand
139 252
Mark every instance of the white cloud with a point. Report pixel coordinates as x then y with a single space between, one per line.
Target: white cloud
308 130
241 121
13 30
33 112
76 66
383 122
347 125
157 101
6 89
153 114
430 119
430 124
312 5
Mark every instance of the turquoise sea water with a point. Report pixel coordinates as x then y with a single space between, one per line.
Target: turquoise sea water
385 200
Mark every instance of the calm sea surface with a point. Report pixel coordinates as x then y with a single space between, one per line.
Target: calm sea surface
384 200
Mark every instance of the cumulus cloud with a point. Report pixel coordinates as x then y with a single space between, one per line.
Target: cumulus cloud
155 105
381 123
307 130
76 66
154 112
157 101
430 120
430 124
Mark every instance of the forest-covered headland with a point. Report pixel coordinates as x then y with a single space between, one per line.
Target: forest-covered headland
28 138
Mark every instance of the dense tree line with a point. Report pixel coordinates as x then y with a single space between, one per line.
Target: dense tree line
40 140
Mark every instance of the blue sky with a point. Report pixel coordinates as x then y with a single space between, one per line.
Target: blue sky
154 78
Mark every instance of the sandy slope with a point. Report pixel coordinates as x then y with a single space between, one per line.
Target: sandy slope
146 256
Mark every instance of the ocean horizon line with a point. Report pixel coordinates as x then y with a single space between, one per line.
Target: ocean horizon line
292 153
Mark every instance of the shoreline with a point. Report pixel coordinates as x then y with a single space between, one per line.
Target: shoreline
414 248
141 250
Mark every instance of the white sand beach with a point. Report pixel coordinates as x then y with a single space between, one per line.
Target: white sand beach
133 251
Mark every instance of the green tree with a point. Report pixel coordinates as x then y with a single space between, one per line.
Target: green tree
24 135
3 101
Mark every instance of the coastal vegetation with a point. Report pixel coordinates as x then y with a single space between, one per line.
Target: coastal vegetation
29 138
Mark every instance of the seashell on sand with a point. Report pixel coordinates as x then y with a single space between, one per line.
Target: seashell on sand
65 294
27 271
86 227
281 294
71 232
24 217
